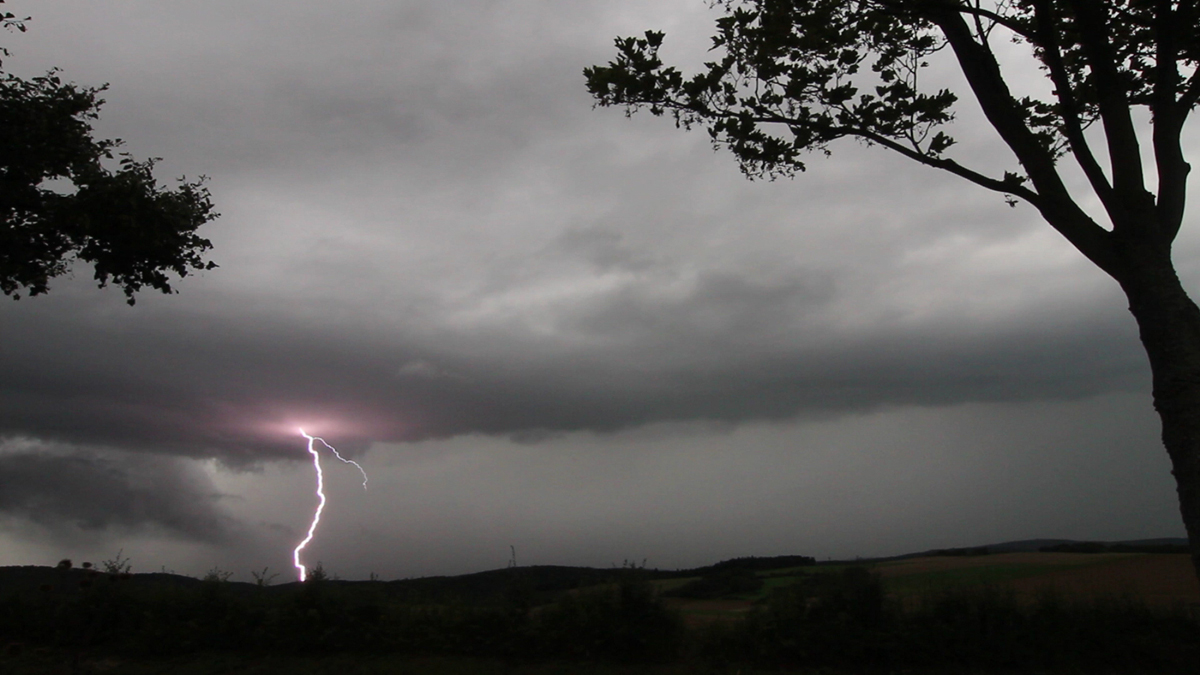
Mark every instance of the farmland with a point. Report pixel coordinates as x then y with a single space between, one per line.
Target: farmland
1159 580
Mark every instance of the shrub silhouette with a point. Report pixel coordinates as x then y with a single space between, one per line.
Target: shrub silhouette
625 621
720 582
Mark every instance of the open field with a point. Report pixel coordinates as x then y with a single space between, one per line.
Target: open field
1159 580
701 612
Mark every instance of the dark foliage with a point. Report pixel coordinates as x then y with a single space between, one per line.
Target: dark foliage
61 201
961 552
792 77
840 619
625 622
540 582
719 583
161 615
754 564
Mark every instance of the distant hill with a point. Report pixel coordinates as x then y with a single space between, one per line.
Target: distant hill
1141 546
750 563
541 581
1161 545
34 578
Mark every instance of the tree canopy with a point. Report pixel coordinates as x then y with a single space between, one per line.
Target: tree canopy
64 197
795 75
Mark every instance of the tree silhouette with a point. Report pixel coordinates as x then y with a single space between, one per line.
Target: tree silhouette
795 75
59 203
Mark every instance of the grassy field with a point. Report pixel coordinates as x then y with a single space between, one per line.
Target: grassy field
1158 580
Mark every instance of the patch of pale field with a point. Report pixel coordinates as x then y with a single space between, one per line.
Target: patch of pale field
901 568
703 612
1159 580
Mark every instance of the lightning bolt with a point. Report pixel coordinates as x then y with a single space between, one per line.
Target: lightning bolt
312 529
338 455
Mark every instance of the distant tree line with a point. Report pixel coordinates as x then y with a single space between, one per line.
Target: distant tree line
957 552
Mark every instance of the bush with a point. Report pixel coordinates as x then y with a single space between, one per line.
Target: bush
626 621
720 582
829 618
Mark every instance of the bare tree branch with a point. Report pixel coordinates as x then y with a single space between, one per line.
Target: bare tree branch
1000 19
1009 187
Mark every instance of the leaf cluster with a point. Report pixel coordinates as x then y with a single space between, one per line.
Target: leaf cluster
793 75
822 70
60 202
10 22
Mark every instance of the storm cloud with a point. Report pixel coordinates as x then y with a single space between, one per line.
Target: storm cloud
64 492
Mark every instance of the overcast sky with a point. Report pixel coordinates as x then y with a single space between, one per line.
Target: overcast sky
542 325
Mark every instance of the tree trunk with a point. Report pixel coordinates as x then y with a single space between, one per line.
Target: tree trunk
1169 325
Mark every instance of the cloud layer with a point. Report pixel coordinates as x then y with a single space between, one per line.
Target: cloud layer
66 493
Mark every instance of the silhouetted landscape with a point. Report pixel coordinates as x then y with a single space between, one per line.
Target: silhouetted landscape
1039 605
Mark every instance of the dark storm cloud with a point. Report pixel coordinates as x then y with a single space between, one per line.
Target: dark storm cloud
181 383
68 493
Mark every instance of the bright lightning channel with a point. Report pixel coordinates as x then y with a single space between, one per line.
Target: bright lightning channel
312 529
